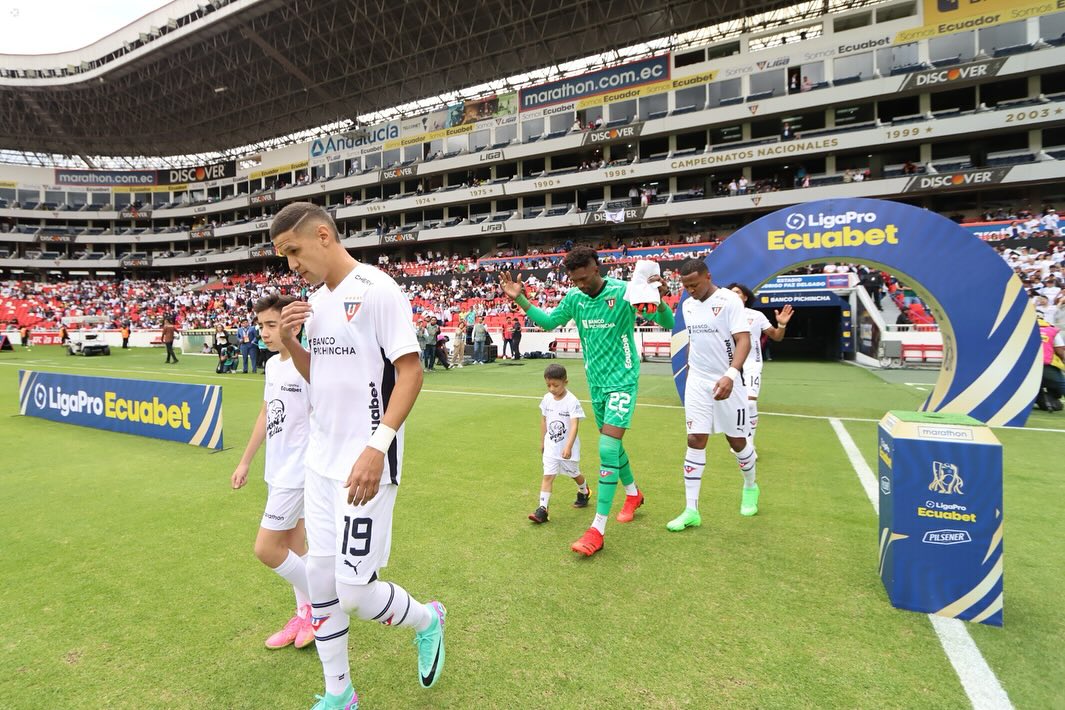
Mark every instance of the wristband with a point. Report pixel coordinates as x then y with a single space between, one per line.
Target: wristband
522 302
382 438
732 373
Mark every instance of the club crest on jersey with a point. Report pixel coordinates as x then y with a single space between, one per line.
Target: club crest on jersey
351 308
715 309
610 302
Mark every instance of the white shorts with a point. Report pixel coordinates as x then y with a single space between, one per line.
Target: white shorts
554 466
753 381
284 508
706 415
359 536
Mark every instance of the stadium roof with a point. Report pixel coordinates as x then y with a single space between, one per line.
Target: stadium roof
199 77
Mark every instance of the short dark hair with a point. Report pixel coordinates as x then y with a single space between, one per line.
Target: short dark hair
301 213
554 372
694 266
748 294
272 301
579 257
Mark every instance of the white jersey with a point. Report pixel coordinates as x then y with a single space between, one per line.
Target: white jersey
354 334
711 325
558 413
757 323
287 421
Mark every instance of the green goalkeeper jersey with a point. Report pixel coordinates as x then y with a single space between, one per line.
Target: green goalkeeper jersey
605 324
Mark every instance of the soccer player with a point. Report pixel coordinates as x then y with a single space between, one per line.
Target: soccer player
605 322
715 400
752 369
365 374
561 413
281 543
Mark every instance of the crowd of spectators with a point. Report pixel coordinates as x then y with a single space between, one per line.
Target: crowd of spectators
446 285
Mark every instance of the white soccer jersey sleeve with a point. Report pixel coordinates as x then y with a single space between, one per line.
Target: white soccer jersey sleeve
758 324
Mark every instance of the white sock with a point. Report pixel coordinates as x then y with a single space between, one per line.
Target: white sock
583 488
384 602
330 622
294 571
545 496
694 463
752 417
600 523
745 459
631 489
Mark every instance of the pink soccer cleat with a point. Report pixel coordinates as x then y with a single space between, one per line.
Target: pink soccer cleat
285 636
305 634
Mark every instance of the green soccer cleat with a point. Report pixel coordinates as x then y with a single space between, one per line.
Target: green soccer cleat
688 519
347 700
430 645
749 503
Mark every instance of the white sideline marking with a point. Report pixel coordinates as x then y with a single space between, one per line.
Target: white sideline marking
237 379
977 679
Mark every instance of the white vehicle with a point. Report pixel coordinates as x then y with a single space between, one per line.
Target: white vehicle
86 342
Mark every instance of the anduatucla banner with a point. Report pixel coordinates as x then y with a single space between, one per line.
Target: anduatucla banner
191 414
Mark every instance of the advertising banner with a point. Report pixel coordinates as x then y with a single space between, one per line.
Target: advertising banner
944 17
868 331
941 516
93 178
263 251
199 173
190 414
354 143
603 81
809 282
991 363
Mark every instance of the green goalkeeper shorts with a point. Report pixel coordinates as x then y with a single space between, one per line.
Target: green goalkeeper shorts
613 405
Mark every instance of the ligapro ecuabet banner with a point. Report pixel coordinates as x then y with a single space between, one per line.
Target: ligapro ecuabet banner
191 414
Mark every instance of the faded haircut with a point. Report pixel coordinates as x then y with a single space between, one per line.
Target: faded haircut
301 214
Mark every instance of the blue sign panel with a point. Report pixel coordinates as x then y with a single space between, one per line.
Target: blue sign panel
941 517
991 362
191 414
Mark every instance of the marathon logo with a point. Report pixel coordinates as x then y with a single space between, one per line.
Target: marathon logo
608 135
491 155
399 173
493 227
965 73
398 238
950 181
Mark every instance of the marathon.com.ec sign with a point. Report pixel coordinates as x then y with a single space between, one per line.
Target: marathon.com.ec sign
191 414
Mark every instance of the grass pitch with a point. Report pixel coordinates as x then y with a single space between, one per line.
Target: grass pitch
129 579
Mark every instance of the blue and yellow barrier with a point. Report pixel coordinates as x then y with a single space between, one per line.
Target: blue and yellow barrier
191 414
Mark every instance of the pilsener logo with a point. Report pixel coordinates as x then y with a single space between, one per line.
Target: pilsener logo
946 537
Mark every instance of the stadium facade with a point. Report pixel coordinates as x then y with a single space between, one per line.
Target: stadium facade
958 116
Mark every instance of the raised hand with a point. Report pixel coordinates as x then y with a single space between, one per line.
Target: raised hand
510 287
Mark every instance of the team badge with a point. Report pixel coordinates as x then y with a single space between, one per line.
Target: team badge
689 469
603 473
715 309
317 621
610 302
351 308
